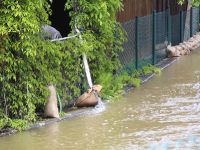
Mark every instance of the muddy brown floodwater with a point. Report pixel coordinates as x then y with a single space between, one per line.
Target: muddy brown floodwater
164 112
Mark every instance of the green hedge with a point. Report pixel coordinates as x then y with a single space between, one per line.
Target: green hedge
28 63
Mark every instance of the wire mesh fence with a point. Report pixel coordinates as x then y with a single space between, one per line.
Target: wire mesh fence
144 40
195 20
127 57
149 36
186 28
176 26
161 35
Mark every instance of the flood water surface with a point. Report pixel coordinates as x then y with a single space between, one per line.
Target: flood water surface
164 112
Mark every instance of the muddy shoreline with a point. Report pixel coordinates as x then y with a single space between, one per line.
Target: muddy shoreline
79 112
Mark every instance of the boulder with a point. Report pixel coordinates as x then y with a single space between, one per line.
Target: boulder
51 108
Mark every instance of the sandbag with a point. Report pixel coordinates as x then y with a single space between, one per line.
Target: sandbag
51 108
184 48
97 88
172 51
88 99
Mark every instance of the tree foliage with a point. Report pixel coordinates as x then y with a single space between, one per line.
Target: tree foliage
26 64
98 18
193 2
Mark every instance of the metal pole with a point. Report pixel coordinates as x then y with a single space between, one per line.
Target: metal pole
181 26
169 27
154 38
85 63
191 28
65 38
199 14
136 43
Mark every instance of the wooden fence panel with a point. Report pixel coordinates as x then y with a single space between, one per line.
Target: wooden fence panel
133 8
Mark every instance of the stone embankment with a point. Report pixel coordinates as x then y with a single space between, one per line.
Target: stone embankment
184 48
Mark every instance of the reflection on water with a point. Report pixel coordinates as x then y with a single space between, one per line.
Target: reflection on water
163 113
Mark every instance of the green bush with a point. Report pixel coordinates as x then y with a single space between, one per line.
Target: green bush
114 85
28 63
98 20
149 69
17 124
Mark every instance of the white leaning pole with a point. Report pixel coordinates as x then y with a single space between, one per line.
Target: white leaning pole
88 75
85 62
87 70
86 65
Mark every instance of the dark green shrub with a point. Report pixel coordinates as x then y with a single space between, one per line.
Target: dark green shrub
28 63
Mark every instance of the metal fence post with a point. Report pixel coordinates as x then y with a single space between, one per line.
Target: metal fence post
136 43
154 38
181 26
199 14
169 27
191 25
